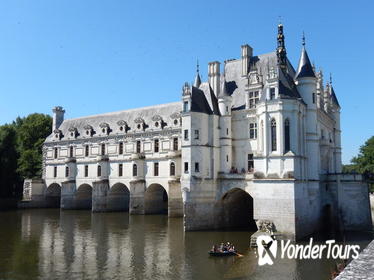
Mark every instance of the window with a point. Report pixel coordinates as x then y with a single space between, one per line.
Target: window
66 171
227 158
272 93
185 106
175 144
86 171
250 162
287 144
120 169
138 146
156 147
102 149
98 170
71 153
134 170
314 98
120 148
253 99
155 169
197 167
56 153
273 135
186 134
227 109
87 150
252 130
196 134
227 131
172 169
186 167
55 171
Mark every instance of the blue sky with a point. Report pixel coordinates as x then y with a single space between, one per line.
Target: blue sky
99 56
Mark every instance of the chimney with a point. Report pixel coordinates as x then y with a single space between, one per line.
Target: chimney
247 53
58 117
214 76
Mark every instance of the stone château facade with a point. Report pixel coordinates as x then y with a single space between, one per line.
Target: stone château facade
258 141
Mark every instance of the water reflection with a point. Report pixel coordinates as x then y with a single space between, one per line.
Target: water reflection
54 244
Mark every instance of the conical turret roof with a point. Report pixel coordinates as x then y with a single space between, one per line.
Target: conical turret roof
305 68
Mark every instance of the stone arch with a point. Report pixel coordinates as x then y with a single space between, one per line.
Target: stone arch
53 195
155 200
118 198
236 210
83 197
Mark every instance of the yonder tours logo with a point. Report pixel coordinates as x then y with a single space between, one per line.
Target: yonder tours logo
267 249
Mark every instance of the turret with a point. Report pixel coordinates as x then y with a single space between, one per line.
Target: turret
306 83
58 117
197 82
225 135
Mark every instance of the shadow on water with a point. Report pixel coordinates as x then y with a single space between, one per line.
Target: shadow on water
53 244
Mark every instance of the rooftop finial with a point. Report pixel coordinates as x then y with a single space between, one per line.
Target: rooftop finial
279 20
197 66
330 79
281 48
303 42
197 82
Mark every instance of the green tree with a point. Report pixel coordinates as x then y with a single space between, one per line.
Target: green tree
365 159
32 132
8 161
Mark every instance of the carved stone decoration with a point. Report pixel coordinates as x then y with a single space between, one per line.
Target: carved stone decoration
156 118
272 74
254 78
175 115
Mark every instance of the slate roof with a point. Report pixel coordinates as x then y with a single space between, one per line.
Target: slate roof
262 63
305 68
167 112
203 100
334 98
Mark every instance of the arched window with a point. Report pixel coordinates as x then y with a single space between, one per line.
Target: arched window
134 170
287 144
98 170
172 169
273 135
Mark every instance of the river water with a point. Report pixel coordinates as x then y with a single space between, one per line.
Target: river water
53 244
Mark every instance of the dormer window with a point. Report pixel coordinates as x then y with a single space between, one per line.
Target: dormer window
140 124
176 118
105 129
122 126
73 131
58 134
158 121
88 130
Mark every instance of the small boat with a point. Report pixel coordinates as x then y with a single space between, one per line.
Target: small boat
223 253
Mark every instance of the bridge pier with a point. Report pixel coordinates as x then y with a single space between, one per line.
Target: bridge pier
68 189
99 196
175 201
137 190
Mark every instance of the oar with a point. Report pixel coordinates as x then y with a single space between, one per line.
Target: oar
238 255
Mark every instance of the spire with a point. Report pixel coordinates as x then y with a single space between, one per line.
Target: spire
197 82
281 48
305 68
332 93
224 90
